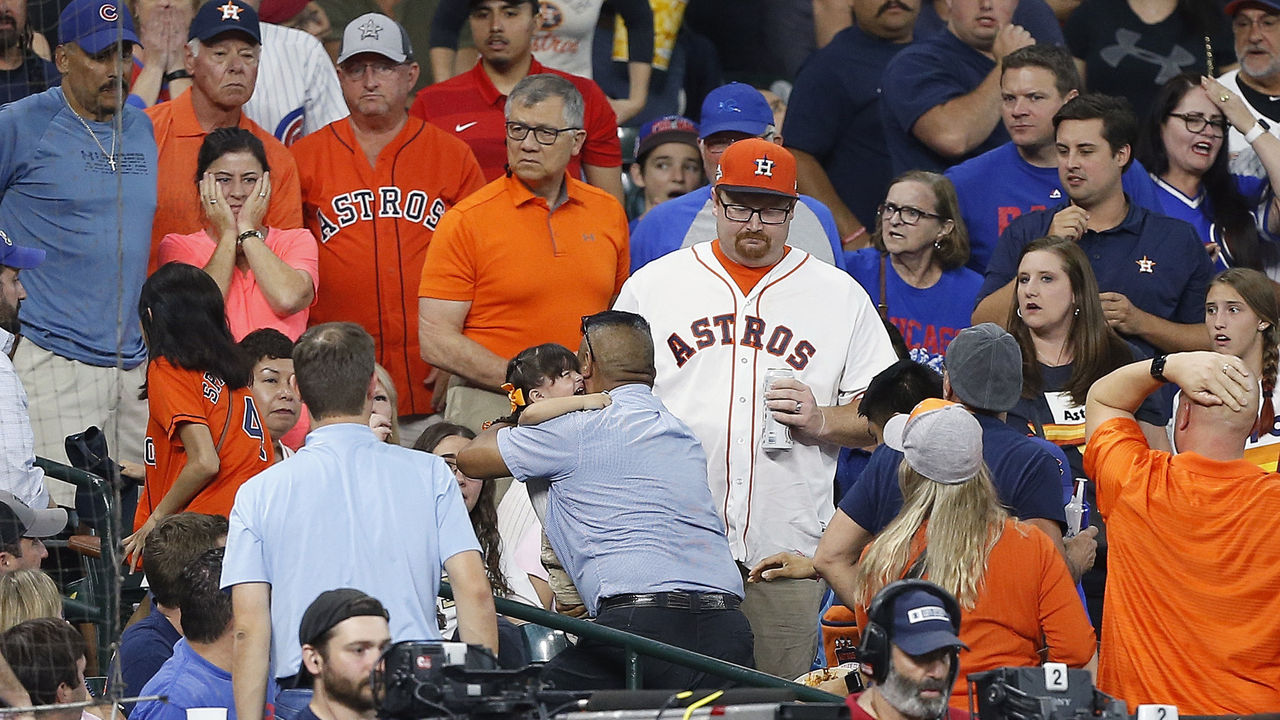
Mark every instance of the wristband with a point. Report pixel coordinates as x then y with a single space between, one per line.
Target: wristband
177 75
1157 366
248 234
1259 129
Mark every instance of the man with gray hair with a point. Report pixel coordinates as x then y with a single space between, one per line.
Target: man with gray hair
488 292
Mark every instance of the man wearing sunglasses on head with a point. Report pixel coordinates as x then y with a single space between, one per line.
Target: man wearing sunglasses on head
726 316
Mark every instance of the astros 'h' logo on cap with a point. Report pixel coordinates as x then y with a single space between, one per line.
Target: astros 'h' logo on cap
230 11
764 166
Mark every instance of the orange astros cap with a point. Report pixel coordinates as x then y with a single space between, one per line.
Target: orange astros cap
759 166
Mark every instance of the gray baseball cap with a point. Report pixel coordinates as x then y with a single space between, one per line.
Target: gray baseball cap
941 440
984 366
375 33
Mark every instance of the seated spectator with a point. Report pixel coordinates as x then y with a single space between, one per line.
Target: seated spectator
21 531
47 656
147 644
18 471
343 633
1241 316
1152 270
913 658
1015 590
278 405
667 162
384 420
27 595
268 276
202 446
1183 146
1194 576
914 271
199 673
1022 174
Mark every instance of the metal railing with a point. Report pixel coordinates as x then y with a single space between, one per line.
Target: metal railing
636 647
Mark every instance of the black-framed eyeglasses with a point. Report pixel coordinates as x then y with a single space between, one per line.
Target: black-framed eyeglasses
544 135
909 213
585 329
451 461
1266 21
743 213
1196 122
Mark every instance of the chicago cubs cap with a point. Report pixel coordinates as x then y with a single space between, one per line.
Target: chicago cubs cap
738 107
984 366
921 624
940 439
1234 5
222 16
15 256
375 33
91 24
663 130
19 521
755 165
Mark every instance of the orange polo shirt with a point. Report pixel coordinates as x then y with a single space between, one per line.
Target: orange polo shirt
530 273
178 139
1192 613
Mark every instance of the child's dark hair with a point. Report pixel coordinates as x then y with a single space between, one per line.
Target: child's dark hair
532 367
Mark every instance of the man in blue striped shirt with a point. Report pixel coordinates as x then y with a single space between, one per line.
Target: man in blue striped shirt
629 514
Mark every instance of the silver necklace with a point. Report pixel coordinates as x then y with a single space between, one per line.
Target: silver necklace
111 157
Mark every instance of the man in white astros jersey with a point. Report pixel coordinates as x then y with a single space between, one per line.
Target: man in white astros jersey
726 312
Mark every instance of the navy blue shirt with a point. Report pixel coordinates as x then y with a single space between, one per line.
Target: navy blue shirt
834 115
1157 262
144 647
923 76
1027 479
1035 16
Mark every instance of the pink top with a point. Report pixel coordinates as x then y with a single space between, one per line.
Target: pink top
247 308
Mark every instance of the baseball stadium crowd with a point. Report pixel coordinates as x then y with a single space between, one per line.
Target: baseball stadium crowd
954 342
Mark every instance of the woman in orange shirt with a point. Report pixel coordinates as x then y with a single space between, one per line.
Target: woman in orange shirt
1012 583
204 434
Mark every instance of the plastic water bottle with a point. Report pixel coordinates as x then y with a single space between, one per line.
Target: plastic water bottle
1075 509
776 435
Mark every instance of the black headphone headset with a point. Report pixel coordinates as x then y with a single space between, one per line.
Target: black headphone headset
877 636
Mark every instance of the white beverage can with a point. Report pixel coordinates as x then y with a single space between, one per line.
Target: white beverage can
776 435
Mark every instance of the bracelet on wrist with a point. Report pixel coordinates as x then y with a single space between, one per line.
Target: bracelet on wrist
852 237
177 75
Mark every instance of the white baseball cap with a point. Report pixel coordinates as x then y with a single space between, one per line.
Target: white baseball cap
375 33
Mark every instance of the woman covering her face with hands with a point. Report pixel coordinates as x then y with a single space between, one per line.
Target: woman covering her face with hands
268 276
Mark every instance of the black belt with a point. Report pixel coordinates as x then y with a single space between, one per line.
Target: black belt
693 601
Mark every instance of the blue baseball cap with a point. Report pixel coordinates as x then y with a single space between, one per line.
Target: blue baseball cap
1236 5
921 624
16 256
737 107
666 129
221 16
91 24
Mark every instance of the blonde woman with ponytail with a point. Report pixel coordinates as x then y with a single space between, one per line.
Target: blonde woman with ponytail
1241 314
1018 599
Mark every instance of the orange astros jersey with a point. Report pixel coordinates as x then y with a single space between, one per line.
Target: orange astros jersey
374 225
176 396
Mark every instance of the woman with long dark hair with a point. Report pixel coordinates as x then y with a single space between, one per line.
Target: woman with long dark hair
267 276
204 436
1183 147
